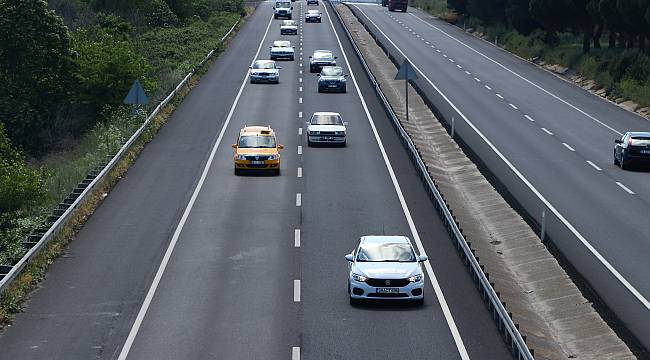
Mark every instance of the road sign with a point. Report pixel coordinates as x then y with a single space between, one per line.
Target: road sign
136 95
406 72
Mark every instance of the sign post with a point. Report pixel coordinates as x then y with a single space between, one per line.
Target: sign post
406 72
136 96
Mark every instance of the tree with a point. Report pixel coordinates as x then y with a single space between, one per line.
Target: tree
519 17
35 66
487 10
459 6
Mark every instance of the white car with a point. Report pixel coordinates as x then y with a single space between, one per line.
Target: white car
264 71
385 267
326 128
312 16
289 27
282 9
282 49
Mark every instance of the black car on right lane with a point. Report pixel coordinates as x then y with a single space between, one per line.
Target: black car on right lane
632 149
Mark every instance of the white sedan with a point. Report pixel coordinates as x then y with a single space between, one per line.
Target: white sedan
385 267
326 128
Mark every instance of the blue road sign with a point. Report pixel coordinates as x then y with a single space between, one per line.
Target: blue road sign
136 95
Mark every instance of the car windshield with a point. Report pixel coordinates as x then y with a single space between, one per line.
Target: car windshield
640 140
331 71
289 23
326 120
256 141
283 4
323 55
281 44
313 12
264 65
386 252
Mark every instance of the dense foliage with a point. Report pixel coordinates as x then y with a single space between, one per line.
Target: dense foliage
626 21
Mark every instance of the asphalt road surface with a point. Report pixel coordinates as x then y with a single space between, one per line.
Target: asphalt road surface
557 136
184 260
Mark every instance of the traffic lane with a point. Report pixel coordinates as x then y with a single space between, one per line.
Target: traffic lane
573 130
361 201
603 110
227 291
560 177
85 306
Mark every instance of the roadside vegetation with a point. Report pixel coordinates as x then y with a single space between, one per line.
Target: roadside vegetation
602 40
66 66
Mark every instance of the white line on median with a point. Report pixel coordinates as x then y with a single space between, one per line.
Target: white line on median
442 302
296 291
594 165
568 146
625 188
126 348
296 238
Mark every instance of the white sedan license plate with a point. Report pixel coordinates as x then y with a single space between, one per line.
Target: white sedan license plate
645 152
257 162
387 290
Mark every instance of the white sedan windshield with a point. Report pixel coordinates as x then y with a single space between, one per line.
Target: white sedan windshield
385 252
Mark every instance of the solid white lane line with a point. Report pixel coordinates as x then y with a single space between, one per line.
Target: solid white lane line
299 131
529 118
128 343
513 106
640 297
299 172
300 100
568 146
458 340
625 188
296 291
477 79
499 96
299 149
547 131
295 353
521 77
296 238
487 87
298 199
594 165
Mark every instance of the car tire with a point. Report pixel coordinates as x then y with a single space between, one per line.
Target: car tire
625 165
354 301
616 162
344 144
309 143
419 302
237 172
320 90
276 172
289 17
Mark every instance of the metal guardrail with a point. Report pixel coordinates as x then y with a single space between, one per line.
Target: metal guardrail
500 315
60 216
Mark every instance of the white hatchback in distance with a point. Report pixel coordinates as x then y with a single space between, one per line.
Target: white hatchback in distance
386 268
326 128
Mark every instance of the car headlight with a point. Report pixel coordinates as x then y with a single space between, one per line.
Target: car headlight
416 278
241 157
359 278
313 132
339 132
273 157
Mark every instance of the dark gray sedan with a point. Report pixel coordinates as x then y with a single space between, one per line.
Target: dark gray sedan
331 78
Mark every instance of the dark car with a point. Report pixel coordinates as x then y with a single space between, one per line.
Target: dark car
332 79
312 2
632 149
321 58
312 16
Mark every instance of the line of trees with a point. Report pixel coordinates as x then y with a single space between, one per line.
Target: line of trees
627 22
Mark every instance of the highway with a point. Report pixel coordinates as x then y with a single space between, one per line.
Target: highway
550 143
184 260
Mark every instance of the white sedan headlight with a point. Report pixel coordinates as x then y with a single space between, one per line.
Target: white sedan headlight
359 278
416 278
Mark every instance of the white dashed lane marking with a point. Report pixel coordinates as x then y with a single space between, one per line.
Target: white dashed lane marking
299 149
300 100
594 165
295 353
296 291
529 118
298 199
299 172
299 131
547 131
625 188
467 72
513 106
296 237
477 79
500 96
487 87
568 146
300 114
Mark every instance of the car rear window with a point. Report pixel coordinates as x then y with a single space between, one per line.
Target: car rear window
282 4
326 120
281 44
256 141
385 252
289 22
640 140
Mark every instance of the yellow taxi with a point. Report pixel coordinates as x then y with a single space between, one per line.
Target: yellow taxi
257 149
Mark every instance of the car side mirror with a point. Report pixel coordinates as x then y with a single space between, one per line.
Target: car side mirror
292 8
307 122
310 57
618 141
318 75
349 257
278 67
250 67
336 57
234 146
345 123
346 75
423 258
280 147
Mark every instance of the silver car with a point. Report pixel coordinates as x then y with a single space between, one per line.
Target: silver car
331 78
282 49
321 58
326 128
313 16
264 71
385 267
